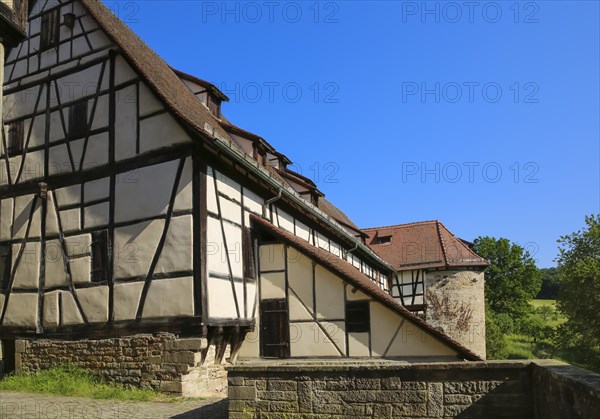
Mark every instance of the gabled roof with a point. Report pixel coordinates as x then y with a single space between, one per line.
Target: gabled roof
359 280
157 73
422 245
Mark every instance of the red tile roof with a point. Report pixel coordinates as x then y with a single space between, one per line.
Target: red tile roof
426 244
359 280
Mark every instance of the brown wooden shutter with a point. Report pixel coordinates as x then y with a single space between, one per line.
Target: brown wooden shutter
248 254
15 138
100 256
5 266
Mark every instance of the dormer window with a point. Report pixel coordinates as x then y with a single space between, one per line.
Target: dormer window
49 34
382 240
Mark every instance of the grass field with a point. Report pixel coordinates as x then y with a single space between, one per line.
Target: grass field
76 382
524 347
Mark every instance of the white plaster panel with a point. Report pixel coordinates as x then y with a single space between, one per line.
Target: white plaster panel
51 310
38 131
298 311
300 277
144 192
14 164
55 265
335 249
75 85
233 236
22 217
272 285
126 123
27 271
6 214
229 187
123 71
99 40
94 303
101 113
96 153
48 58
96 215
308 340
170 297
252 299
21 310
70 312
211 195
184 197
33 166
271 257
253 202
70 220
230 210
148 101
78 245
322 242
220 298
4 172
51 216
127 298
58 160
160 131
135 246
302 231
285 220
176 254
57 131
23 102
97 189
330 295
353 294
358 344
81 270
215 251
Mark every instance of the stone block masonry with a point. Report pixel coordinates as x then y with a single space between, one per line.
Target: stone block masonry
385 389
159 361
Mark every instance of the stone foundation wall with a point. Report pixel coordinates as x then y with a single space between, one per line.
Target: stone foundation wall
381 390
159 361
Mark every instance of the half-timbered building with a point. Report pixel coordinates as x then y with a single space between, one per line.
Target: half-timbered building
130 205
438 276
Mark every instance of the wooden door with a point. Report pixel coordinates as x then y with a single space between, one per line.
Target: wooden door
274 329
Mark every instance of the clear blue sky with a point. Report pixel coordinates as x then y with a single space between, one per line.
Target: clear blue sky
373 93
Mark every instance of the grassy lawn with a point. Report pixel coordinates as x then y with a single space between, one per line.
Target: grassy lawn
76 382
553 320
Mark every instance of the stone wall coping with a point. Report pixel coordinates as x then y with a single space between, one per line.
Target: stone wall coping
320 365
587 380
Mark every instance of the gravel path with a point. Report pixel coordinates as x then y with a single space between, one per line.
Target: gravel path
41 406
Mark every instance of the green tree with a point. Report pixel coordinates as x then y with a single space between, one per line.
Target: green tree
579 297
512 278
495 337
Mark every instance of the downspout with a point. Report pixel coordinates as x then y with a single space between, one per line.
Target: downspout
269 201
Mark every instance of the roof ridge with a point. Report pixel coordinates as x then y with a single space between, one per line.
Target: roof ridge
402 225
461 241
442 243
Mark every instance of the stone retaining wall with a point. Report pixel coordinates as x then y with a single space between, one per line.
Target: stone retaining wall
160 361
371 389
381 390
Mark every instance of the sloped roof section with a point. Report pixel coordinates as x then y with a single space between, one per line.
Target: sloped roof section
359 280
161 78
422 245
